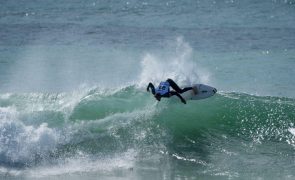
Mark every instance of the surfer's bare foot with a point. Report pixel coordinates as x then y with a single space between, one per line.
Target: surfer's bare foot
214 90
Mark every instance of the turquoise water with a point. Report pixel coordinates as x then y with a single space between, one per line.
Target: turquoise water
72 89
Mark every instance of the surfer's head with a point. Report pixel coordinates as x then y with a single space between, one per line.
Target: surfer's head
158 96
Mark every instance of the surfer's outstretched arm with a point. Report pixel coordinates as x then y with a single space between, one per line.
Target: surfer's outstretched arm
152 87
172 93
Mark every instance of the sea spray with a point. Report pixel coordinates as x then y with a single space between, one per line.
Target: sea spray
178 65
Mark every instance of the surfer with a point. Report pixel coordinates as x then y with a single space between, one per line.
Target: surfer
163 90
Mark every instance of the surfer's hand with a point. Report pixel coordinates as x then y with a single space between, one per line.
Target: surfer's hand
183 101
148 89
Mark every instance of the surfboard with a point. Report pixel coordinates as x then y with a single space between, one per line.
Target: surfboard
200 91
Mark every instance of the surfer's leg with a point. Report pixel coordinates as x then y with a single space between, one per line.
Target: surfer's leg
172 93
174 85
186 89
177 88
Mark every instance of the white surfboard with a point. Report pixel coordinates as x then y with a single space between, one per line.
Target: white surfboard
200 91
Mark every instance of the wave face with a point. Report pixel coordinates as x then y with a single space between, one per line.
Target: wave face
125 131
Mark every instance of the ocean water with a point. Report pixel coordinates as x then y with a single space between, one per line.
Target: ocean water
73 100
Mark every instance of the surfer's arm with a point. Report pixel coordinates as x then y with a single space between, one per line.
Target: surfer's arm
152 87
172 93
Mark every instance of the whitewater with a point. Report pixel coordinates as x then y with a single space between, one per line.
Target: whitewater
73 99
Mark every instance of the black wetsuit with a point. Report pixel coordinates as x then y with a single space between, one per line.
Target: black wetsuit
169 93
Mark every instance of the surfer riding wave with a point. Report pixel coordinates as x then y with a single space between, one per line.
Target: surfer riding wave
163 90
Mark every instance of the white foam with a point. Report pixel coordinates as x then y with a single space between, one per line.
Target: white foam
10 172
189 159
5 96
20 143
292 131
82 163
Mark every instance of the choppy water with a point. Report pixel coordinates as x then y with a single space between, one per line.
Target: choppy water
72 89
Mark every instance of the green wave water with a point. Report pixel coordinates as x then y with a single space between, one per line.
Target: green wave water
126 131
73 103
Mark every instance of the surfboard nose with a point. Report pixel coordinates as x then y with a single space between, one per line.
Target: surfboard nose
214 90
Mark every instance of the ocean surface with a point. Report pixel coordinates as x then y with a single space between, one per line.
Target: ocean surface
73 100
